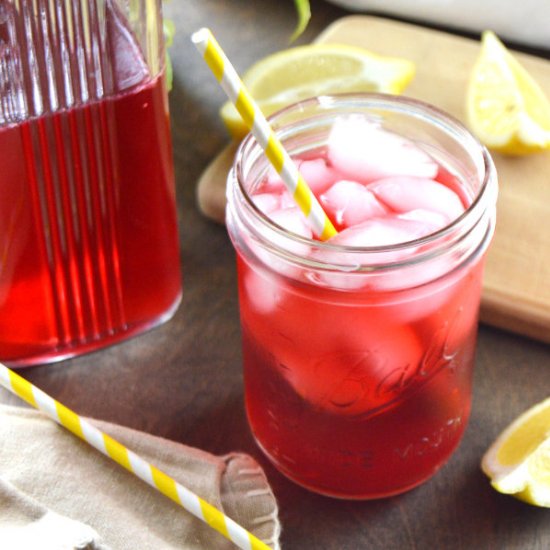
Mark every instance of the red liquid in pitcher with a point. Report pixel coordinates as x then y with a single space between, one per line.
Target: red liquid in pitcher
88 231
359 386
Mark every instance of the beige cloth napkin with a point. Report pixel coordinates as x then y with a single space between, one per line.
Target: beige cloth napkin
58 493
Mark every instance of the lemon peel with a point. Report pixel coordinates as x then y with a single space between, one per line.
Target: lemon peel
518 462
301 72
505 107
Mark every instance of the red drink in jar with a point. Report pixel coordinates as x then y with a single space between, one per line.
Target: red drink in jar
358 352
88 228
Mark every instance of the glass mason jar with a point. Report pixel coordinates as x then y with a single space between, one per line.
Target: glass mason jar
358 361
89 251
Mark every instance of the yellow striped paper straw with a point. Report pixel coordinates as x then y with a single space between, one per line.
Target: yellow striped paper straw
133 463
229 80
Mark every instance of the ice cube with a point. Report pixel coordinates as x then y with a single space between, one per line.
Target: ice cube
403 194
293 221
433 220
370 368
286 200
267 202
261 291
361 150
375 232
351 203
270 202
381 232
272 183
289 325
422 290
455 318
317 174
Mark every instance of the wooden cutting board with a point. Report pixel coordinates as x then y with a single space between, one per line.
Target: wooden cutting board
516 293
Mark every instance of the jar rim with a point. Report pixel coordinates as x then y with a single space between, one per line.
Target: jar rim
390 103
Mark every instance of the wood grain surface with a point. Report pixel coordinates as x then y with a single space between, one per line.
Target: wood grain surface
183 381
516 293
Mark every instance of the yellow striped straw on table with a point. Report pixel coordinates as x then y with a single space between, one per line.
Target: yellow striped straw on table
232 85
111 448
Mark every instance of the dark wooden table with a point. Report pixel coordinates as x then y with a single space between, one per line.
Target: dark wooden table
183 380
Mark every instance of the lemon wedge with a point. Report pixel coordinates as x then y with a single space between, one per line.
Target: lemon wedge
518 462
506 108
305 71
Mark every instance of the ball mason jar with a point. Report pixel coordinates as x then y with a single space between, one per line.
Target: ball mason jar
358 361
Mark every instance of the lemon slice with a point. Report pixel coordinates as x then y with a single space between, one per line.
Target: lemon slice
506 108
316 69
518 462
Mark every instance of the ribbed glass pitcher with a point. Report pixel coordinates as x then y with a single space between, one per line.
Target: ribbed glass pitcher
89 250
